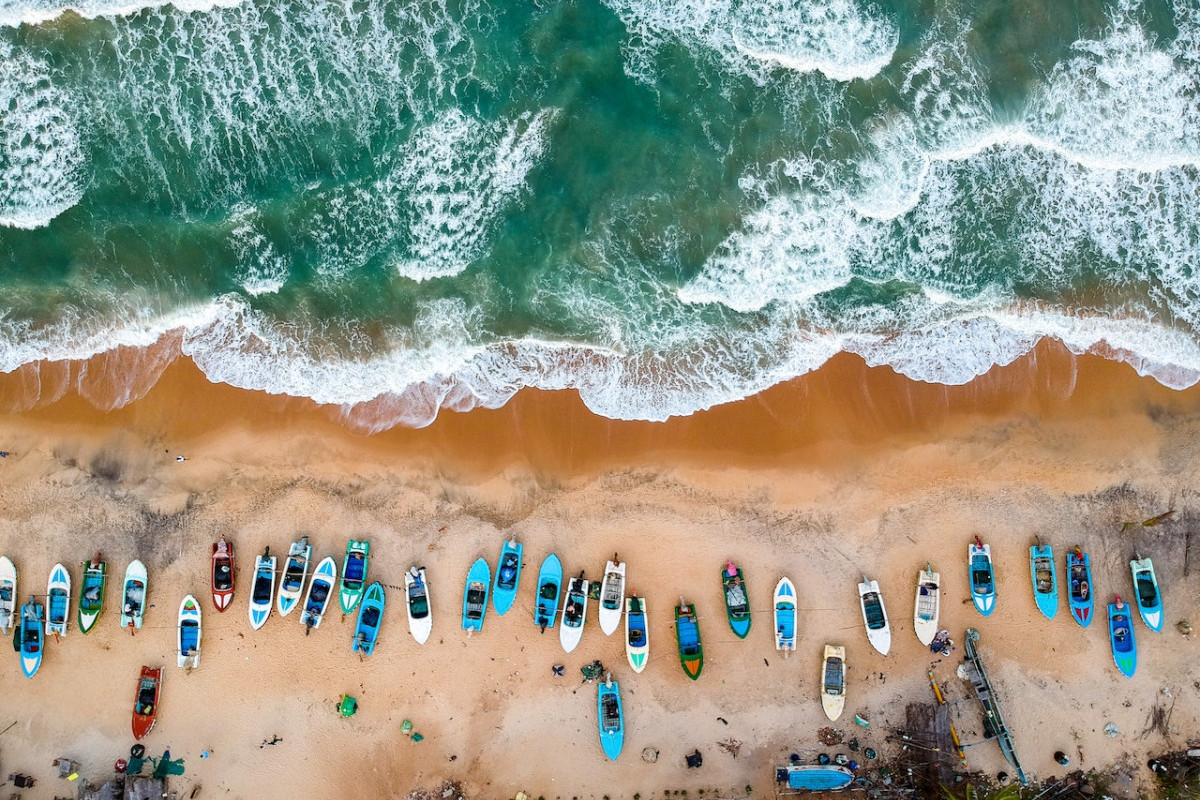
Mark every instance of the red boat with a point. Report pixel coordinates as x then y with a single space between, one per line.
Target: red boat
223 574
145 705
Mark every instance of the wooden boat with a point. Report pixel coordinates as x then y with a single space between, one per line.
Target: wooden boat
1145 590
637 633
1120 635
420 615
612 596
814 777
928 605
145 703
687 633
354 574
320 589
8 595
475 596
262 591
737 604
133 596
785 617
29 637
1045 581
983 579
874 613
833 681
295 571
574 613
549 587
508 576
91 593
224 574
370 617
1079 586
610 718
189 633
58 604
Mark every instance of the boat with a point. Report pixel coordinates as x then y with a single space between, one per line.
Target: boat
145 703
420 615
833 682
814 777
1079 586
475 596
320 589
983 578
687 633
91 593
224 573
354 574
879 633
609 717
737 605
785 617
928 605
58 603
262 591
29 637
189 633
637 633
508 575
133 596
612 596
1120 635
574 613
370 617
1045 581
295 571
8 594
1145 590
549 587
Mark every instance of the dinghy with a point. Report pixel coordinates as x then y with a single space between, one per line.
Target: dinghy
262 591
295 571
145 703
508 575
814 777
320 589
637 633
549 587
58 604
189 633
1045 581
370 617
420 615
354 574
983 580
91 593
1079 586
610 718
737 605
833 682
133 596
687 632
612 596
224 574
8 595
785 617
1120 635
879 633
928 605
475 596
1145 589
574 613
29 637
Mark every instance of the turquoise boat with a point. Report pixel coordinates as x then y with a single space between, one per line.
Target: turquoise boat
1120 634
508 574
475 596
814 777
549 587
610 717
1079 586
1145 589
28 638
1045 581
370 617
354 574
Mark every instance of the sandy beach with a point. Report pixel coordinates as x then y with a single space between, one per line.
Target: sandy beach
847 471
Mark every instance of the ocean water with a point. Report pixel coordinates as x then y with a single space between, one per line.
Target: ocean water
413 205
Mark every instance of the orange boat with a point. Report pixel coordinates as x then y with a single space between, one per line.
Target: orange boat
145 705
223 574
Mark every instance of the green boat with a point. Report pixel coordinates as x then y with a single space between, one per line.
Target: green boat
354 574
687 632
91 593
737 606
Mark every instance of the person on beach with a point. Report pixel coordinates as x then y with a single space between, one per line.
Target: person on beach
274 740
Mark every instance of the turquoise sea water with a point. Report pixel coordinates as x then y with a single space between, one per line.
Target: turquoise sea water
666 204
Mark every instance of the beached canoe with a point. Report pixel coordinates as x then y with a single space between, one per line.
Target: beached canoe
91 592
610 717
928 605
29 637
508 576
737 604
814 777
833 681
145 702
1145 590
637 633
133 595
549 587
983 578
370 617
612 596
58 603
574 613
355 568
1045 581
320 589
224 573
1121 637
785 617
1079 586
188 637
874 614
420 613
475 596
8 595
687 633
295 572
262 591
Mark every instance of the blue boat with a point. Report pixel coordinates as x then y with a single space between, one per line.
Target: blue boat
370 617
1120 634
549 587
1079 586
1145 589
475 595
1045 581
29 637
508 574
983 579
814 777
610 717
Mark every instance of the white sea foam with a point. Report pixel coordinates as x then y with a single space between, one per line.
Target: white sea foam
35 12
264 269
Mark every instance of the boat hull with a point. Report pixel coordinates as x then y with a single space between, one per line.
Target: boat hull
1044 578
815 778
145 702
610 720
1122 639
370 618
295 574
983 578
927 607
320 590
737 606
134 591
1079 588
570 631
224 574
8 595
637 633
355 569
612 597
58 604
687 635
874 614
1146 593
785 616
833 682
189 633
416 604
31 640
508 577
475 596
91 595
549 588
262 591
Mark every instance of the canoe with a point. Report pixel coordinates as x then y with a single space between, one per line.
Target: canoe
549 587
687 633
574 613
320 589
416 605
29 637
133 595
612 596
874 613
785 616
833 681
983 579
1045 581
814 777
475 596
295 571
224 574
354 574
370 617
637 633
58 603
737 604
928 605
189 633
508 576
610 718
1121 637
91 593
262 591
145 703
8 594
1145 589
1079 586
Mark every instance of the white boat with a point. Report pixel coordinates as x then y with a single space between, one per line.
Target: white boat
612 596
637 633
875 615
295 570
574 613
420 614
785 616
927 607
833 681
58 603
320 589
133 595
188 637
262 590
8 595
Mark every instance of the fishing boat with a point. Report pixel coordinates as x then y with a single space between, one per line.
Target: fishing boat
814 777
928 605
609 717
612 596
637 633
29 637
737 605
1045 581
879 632
508 575
1145 589
420 615
262 591
687 632
224 573
320 589
8 594
785 617
133 596
295 571
549 587
833 682
370 617
91 593
189 633
1079 586
354 574
58 603
983 579
574 613
1120 635
145 703
475 596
